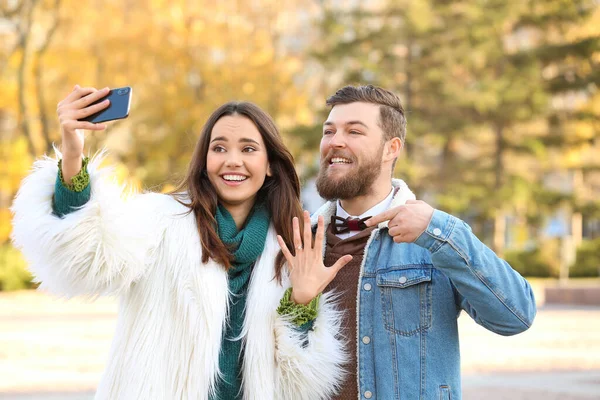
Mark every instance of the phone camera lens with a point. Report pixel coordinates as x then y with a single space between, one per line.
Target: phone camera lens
121 92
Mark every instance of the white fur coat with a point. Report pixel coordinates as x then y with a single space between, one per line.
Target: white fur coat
146 250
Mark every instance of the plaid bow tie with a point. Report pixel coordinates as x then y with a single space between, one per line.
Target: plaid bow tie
343 225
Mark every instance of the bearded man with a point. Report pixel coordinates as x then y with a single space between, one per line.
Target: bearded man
414 268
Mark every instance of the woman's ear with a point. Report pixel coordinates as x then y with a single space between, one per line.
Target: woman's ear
269 170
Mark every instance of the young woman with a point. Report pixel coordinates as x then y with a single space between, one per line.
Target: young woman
204 311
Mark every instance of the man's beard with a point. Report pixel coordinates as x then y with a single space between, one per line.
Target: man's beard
357 182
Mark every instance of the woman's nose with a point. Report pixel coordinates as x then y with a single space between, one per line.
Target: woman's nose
233 161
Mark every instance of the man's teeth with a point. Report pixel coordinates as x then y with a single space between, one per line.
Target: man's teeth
234 177
340 160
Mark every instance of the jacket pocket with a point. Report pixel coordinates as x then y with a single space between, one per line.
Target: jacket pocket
406 298
445 393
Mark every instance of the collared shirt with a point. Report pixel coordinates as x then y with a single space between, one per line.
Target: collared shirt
376 209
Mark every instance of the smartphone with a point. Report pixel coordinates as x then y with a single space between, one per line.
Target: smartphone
120 100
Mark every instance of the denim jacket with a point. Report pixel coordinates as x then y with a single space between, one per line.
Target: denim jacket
409 297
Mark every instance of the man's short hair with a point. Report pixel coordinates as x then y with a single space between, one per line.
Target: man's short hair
391 113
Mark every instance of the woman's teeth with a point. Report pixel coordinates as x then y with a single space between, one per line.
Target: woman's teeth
236 178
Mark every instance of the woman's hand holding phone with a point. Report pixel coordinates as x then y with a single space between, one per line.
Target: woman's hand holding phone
74 107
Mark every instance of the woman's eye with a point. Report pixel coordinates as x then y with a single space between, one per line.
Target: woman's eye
218 149
327 132
249 149
355 132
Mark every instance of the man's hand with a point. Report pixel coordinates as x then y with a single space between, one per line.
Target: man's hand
407 222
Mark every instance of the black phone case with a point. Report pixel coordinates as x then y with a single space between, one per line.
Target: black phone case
120 100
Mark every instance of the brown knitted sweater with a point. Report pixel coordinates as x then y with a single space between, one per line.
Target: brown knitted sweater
346 284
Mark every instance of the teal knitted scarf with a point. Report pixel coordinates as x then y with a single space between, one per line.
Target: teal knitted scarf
246 245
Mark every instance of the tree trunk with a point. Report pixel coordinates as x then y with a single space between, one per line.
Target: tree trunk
41 99
446 172
39 85
576 217
25 32
408 92
500 217
499 233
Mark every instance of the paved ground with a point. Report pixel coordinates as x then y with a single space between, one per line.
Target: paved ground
51 349
560 385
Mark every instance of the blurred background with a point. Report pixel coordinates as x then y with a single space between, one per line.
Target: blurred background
503 107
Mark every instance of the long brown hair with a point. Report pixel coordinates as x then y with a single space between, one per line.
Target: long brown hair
281 190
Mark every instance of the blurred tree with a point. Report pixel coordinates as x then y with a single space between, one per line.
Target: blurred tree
182 58
471 74
569 50
501 97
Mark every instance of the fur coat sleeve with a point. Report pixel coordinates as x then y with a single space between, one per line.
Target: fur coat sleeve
310 365
100 248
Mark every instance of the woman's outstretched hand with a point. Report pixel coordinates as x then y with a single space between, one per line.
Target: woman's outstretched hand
308 275
70 110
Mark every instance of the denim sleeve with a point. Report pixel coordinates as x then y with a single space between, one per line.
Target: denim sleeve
489 290
69 197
